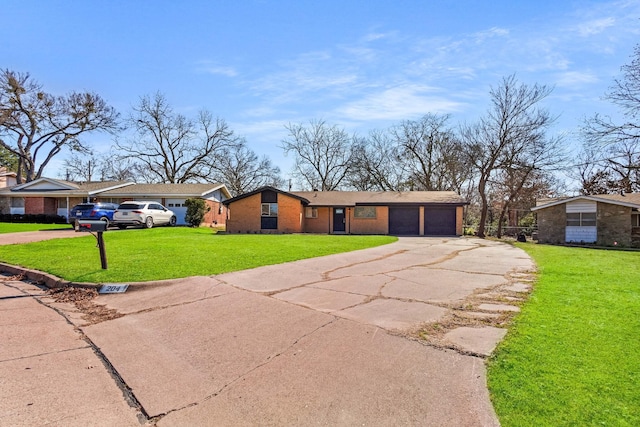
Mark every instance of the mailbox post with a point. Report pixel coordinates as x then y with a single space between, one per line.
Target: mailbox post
97 227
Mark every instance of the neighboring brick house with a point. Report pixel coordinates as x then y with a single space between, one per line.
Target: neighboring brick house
52 196
173 196
57 197
604 220
419 213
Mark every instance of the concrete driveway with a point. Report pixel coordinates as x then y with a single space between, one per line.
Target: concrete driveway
394 335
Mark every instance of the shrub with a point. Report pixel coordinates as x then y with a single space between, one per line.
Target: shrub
33 218
196 210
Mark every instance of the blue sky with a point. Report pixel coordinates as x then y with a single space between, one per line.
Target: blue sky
360 64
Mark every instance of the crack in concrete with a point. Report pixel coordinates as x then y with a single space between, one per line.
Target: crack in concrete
126 391
325 275
164 307
270 359
45 354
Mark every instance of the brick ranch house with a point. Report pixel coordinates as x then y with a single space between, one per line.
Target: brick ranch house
418 213
57 197
604 220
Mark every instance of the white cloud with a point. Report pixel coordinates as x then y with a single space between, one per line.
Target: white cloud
575 78
398 103
494 32
595 26
213 68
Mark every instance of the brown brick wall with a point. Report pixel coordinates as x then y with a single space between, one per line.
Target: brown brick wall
290 214
459 220
614 225
244 215
551 224
217 214
379 225
319 224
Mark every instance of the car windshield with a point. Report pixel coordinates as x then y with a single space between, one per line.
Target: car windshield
129 206
83 207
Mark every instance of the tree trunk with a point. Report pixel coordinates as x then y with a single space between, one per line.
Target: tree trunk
484 207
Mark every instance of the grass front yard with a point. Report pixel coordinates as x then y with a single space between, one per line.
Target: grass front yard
572 357
165 253
16 227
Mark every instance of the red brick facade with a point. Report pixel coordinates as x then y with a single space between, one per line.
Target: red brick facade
40 205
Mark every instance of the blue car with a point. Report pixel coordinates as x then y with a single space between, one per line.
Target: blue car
99 210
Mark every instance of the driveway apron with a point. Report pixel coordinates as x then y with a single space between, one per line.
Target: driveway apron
338 340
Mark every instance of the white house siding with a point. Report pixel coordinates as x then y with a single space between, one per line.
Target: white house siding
581 234
582 206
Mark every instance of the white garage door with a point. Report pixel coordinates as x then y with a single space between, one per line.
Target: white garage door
178 207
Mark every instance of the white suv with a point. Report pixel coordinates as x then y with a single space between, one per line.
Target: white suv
146 214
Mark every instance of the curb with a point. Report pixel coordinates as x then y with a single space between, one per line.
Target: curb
46 279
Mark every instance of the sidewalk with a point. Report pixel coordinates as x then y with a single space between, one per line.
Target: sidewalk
50 374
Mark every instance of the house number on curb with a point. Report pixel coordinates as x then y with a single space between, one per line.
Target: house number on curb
113 289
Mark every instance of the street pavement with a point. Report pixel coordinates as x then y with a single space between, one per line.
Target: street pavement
346 339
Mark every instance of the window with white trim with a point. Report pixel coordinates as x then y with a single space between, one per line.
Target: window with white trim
581 219
310 212
269 209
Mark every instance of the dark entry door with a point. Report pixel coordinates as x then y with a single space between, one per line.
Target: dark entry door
339 223
440 220
404 221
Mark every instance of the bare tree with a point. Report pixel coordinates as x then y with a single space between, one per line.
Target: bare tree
433 154
609 169
625 93
511 128
113 168
92 167
81 168
242 170
378 164
36 126
323 154
172 148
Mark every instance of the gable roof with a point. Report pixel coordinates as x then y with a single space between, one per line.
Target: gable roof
364 198
631 200
49 187
265 188
164 190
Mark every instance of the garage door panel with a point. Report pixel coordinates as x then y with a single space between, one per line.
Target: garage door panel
440 221
179 209
404 221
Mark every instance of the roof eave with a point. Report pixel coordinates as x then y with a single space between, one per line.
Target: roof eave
590 198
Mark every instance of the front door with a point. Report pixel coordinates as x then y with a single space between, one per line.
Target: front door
339 223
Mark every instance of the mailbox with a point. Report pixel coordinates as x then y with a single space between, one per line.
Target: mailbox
92 226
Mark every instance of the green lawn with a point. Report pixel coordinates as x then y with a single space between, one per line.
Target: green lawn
15 227
572 357
165 253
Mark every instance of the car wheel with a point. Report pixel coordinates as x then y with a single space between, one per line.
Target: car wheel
122 226
148 222
106 220
172 221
